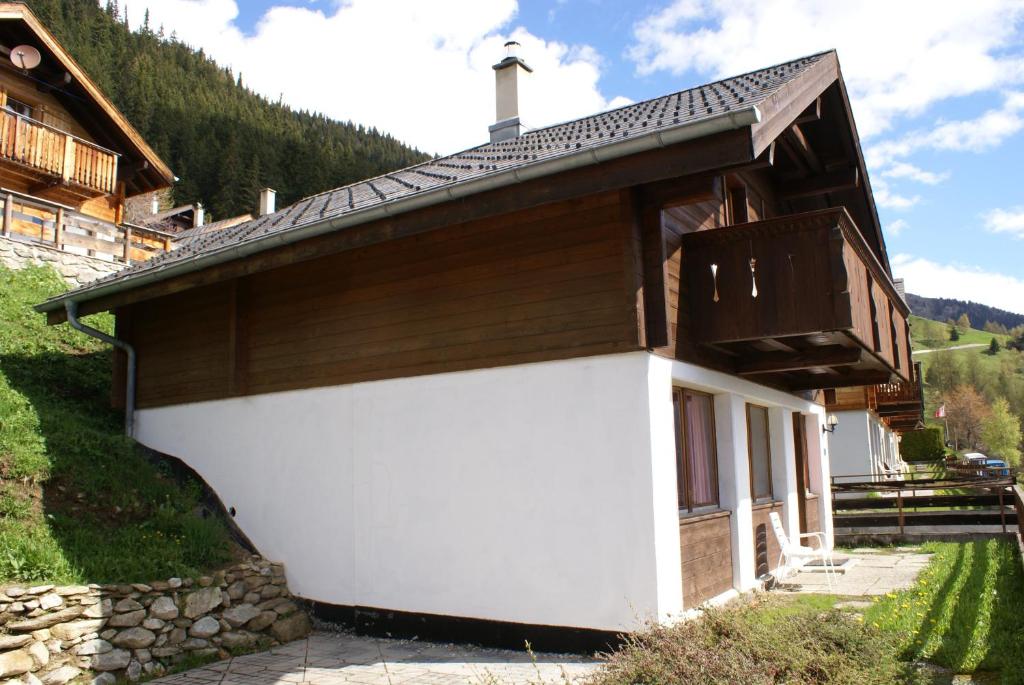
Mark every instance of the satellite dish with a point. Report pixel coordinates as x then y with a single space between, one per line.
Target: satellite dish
25 57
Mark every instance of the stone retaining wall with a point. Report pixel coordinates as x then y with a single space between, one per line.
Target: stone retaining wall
51 635
76 269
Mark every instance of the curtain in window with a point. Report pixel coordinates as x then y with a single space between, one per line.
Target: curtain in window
700 447
760 453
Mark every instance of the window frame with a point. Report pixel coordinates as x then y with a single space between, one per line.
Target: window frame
684 464
768 452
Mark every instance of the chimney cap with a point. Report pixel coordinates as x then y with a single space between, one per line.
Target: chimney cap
512 57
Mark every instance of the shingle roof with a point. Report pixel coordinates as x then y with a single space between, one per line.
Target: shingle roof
679 109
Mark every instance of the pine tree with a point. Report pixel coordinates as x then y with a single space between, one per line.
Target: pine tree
993 347
954 334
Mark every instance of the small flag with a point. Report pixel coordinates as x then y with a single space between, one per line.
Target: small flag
940 413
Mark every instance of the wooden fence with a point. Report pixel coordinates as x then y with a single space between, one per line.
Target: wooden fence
33 220
953 501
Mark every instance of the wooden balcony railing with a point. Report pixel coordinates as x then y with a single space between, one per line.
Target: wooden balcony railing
901 403
54 153
30 219
800 301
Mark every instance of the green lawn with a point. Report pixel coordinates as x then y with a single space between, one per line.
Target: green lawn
929 335
78 502
966 611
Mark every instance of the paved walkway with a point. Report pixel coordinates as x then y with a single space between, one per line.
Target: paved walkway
873 572
336 658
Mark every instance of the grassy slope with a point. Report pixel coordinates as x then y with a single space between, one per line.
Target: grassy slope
963 613
77 500
991 363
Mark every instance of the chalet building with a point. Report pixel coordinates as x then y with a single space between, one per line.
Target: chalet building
871 421
557 380
68 158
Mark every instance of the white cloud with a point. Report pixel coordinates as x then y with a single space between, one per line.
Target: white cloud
897 57
418 70
914 173
884 197
1006 221
896 227
927 278
971 135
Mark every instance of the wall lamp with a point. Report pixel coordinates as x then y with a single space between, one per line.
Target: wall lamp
831 421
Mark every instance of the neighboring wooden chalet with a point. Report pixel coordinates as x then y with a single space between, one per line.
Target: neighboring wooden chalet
559 379
872 419
68 157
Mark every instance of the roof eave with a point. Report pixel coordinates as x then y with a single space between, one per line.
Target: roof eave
732 120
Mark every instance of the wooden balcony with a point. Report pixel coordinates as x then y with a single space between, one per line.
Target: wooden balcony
798 302
55 158
30 219
901 403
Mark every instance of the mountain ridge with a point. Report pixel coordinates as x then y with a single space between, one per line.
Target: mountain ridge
943 309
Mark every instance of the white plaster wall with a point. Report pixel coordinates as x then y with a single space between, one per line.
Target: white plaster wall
731 395
863 445
850 445
540 493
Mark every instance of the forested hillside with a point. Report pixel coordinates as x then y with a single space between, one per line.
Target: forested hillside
944 309
223 141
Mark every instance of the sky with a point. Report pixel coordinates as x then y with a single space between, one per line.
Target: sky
937 89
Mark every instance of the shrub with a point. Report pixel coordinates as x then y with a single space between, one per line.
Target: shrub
922 445
757 644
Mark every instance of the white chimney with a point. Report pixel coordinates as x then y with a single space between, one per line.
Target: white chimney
268 198
507 74
155 207
198 215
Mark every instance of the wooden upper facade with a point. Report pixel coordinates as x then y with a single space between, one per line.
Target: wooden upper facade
899 404
607 257
68 157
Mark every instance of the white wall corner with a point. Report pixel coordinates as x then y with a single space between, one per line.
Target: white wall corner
665 497
784 482
734 484
820 467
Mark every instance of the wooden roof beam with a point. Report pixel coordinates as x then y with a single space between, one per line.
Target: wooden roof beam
822 184
799 149
855 379
812 113
783 362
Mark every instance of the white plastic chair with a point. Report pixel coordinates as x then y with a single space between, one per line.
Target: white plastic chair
791 551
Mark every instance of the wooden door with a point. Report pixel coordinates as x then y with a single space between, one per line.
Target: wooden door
802 470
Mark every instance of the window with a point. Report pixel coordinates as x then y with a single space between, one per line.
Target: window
696 460
758 442
19 107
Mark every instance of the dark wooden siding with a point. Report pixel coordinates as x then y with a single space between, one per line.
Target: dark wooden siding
812 518
545 283
706 548
766 547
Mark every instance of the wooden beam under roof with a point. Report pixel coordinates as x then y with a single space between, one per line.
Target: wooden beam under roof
856 378
812 113
780 362
829 182
799 149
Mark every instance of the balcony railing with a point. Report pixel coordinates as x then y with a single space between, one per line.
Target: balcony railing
901 403
57 154
31 219
800 301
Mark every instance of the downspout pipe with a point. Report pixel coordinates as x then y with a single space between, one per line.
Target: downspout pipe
71 307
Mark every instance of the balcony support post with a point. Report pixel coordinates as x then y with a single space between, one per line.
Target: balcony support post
127 245
8 214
